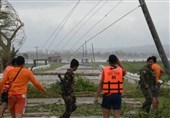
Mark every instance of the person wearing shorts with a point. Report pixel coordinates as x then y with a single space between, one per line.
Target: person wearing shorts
111 85
17 104
112 101
4 97
155 92
4 92
158 73
17 93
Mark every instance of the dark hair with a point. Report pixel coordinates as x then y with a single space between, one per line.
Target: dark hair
149 58
113 59
14 61
74 63
154 59
20 60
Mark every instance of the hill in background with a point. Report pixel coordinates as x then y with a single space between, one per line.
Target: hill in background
124 53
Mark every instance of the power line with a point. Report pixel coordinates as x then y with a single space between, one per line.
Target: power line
107 27
62 23
96 24
84 24
77 24
56 29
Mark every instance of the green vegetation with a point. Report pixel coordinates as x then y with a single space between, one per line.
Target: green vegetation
128 110
58 108
134 66
131 90
84 85
53 65
86 88
83 88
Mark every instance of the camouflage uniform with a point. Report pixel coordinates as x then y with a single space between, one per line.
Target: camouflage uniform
147 82
67 94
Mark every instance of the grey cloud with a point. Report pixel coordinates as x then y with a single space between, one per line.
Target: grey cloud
42 18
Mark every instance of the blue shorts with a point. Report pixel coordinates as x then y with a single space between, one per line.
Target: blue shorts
155 91
112 101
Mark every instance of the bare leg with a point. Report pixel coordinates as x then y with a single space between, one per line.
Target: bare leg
155 103
3 107
106 113
13 115
18 115
116 113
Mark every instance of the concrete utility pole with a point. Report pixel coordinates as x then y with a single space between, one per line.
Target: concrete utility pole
36 52
0 39
93 53
155 36
0 4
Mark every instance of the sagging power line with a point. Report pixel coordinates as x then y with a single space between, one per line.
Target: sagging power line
61 25
77 24
105 29
95 24
84 24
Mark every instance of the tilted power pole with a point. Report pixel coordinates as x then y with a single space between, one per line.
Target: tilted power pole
0 4
0 39
155 36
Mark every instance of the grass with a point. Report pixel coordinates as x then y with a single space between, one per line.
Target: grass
131 90
52 67
86 88
57 109
127 111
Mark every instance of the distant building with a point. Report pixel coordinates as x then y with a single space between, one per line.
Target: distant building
36 61
54 59
85 60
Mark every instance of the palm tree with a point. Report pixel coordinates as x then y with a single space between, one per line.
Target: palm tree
12 34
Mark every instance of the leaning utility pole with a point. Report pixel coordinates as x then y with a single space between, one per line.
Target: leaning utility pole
36 51
93 53
0 39
155 36
0 3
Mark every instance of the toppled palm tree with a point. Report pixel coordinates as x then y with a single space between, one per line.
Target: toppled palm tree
12 33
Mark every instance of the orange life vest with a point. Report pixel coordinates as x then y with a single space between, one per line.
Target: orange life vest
112 80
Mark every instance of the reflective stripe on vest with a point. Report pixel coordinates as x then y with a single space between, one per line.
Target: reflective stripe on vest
112 80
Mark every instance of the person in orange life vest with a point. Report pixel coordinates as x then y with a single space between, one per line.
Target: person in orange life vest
18 90
111 85
4 95
158 73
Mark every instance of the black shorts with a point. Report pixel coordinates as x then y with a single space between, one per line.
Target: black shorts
112 101
155 91
4 97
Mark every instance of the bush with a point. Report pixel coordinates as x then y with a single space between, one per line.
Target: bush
84 85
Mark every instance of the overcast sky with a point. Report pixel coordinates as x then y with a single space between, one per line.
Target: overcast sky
42 17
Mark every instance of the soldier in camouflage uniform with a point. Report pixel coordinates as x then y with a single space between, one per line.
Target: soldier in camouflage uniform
68 85
147 82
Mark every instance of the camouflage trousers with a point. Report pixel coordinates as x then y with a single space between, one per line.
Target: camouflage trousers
70 105
148 99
